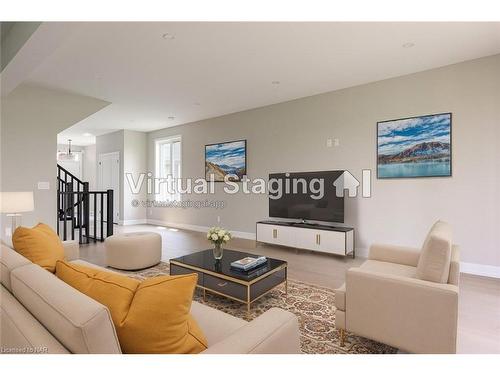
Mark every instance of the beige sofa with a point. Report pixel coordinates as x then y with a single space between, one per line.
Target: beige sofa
384 300
42 314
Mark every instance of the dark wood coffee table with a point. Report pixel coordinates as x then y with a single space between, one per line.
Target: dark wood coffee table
218 277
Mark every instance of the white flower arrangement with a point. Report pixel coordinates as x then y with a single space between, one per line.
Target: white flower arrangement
218 235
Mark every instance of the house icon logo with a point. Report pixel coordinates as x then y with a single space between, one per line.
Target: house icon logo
346 181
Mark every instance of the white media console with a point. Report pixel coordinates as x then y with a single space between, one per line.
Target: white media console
316 237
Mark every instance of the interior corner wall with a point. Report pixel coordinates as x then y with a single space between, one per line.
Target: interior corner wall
135 163
292 136
31 118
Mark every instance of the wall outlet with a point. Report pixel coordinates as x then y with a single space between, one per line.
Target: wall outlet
218 219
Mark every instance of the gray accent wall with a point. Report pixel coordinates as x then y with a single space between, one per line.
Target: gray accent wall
292 136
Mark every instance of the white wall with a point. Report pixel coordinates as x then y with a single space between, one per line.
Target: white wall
131 146
90 166
31 118
89 162
135 162
107 143
292 137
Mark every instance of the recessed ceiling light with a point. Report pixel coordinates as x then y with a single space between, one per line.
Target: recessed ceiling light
408 45
87 134
275 82
168 36
171 117
173 229
161 228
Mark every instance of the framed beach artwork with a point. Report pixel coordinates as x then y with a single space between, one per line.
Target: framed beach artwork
414 147
228 158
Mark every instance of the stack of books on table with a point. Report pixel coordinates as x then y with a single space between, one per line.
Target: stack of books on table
248 263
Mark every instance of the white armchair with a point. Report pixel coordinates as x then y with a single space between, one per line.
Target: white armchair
386 301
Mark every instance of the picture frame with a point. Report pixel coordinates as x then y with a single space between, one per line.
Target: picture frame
226 158
415 147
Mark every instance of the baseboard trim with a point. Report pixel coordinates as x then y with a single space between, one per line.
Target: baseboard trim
133 222
480 269
200 228
465 267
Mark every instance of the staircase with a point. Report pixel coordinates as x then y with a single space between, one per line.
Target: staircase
83 214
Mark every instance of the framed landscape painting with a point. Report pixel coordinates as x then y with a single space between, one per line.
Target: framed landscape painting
228 158
414 147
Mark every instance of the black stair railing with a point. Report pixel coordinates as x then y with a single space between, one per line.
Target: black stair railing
74 202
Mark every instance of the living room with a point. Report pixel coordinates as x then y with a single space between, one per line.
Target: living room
270 187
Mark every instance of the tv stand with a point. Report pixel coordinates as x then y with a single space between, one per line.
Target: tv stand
323 238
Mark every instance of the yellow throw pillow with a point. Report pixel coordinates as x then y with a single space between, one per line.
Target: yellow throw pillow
151 317
112 290
39 244
159 320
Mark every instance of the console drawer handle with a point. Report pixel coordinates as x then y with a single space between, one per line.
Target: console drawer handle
222 284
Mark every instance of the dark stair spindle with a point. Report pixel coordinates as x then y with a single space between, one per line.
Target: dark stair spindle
73 204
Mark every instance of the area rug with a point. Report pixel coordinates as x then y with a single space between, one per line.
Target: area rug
313 305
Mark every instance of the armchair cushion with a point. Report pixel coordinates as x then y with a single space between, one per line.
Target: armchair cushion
434 262
386 268
413 315
393 269
394 254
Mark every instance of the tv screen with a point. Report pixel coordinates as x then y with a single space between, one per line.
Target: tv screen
305 195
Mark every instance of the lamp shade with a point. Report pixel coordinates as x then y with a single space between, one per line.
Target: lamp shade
13 202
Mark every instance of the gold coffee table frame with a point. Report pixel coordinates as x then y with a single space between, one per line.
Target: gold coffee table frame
247 284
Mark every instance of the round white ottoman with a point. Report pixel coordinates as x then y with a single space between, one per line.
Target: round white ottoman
133 251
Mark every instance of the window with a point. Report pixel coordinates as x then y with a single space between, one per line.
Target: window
168 164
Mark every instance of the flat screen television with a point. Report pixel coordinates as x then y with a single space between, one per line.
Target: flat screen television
310 205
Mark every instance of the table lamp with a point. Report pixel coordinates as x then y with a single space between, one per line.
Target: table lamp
13 203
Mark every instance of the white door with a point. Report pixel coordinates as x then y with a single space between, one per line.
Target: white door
108 172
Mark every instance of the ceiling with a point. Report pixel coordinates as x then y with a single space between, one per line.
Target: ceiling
204 70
